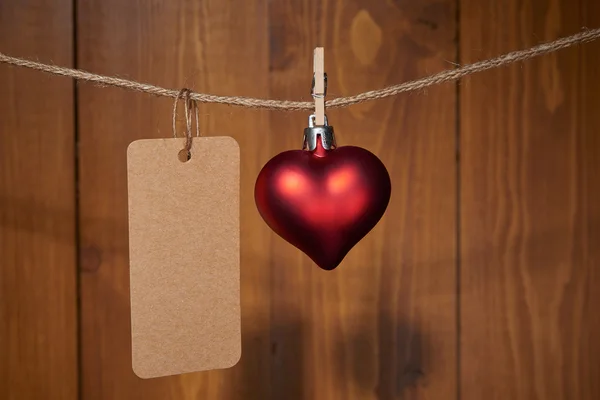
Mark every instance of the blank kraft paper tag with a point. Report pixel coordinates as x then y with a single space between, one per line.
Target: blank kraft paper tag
184 240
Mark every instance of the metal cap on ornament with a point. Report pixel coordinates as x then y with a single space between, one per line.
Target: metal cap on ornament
313 132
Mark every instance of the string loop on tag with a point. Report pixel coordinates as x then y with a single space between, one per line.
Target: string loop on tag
185 94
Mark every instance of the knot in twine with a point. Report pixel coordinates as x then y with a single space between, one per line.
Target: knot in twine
185 94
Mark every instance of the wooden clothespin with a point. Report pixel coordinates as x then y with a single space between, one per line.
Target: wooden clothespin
319 89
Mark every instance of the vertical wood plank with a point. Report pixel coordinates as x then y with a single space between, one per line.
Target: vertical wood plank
210 46
38 304
584 358
529 206
382 325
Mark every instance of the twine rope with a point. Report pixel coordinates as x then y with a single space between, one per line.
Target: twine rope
442 77
190 104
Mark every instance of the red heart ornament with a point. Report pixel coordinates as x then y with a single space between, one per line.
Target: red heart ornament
323 201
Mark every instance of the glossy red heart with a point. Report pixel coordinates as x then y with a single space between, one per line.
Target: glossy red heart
323 201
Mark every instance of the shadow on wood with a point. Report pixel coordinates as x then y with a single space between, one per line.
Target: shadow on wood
278 376
397 348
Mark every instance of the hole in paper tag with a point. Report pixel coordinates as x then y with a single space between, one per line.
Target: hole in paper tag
184 239
184 155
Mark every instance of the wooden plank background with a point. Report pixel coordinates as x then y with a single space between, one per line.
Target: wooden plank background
529 206
479 282
38 291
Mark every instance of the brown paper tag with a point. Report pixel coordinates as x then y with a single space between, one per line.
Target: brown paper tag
184 239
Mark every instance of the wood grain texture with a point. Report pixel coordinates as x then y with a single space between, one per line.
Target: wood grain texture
381 325
38 306
384 324
210 46
529 206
